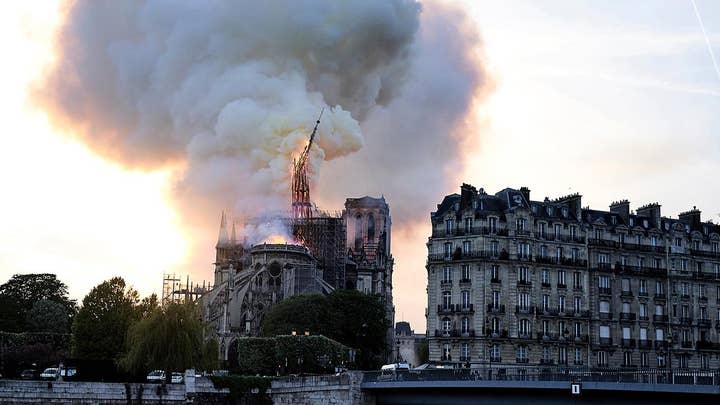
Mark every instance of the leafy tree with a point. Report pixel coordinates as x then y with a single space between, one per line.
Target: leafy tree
100 326
48 316
147 306
171 338
352 318
22 291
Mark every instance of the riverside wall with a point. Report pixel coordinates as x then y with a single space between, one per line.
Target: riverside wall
322 390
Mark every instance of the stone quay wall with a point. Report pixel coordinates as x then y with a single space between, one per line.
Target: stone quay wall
193 391
322 390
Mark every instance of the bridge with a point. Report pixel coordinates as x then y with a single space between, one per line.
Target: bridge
542 386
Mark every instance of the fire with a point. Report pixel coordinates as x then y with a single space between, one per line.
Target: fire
277 239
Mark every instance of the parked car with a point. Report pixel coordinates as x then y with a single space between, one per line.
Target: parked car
176 378
156 376
30 374
50 373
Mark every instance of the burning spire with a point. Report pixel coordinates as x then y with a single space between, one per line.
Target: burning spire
301 205
223 238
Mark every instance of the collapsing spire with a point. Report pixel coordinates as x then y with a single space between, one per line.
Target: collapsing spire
223 234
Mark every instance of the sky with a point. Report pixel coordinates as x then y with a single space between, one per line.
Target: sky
613 101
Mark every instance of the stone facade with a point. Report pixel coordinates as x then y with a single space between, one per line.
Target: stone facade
512 281
408 344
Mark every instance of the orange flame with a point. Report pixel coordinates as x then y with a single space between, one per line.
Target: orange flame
276 239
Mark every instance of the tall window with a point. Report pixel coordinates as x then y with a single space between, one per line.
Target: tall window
520 223
541 230
626 307
446 352
562 355
523 250
524 327
447 299
466 299
446 325
447 274
602 359
561 277
626 285
561 303
495 353
468 224
492 224
448 250
578 329
465 351
494 250
578 304
643 334
659 288
558 229
577 280
604 307
643 287
524 301
643 311
358 232
450 226
604 282
496 325
545 276
578 356
465 325
495 272
522 354
496 299
466 272
371 227
545 302
523 274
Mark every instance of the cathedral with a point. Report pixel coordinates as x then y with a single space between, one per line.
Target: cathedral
348 250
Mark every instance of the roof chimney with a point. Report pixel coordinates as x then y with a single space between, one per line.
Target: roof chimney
467 192
691 218
621 208
526 193
652 211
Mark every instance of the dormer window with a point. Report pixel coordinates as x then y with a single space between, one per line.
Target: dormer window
645 223
475 204
613 219
565 212
520 224
549 210
632 221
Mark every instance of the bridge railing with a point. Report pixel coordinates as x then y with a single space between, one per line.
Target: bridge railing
568 374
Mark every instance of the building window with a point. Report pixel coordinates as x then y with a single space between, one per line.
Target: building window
603 258
545 276
524 301
561 303
562 355
577 280
466 247
659 288
683 361
626 285
578 329
495 272
545 302
604 282
627 359
371 227
523 250
704 361
448 250
578 356
541 230
492 224
446 352
494 249
447 300
446 326
495 353
523 274
450 226
644 360
561 277
546 354
643 311
659 309
573 232
522 354
602 359
447 275
465 325
643 287
604 332
543 251
546 327
466 272
524 327
468 224
465 299
496 299
495 325
465 351
661 360
520 223
605 307
578 304
659 335
626 333
626 307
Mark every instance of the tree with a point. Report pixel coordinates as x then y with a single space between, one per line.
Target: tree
48 316
171 338
100 326
22 291
352 318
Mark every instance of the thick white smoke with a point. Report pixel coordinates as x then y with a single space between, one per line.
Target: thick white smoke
229 88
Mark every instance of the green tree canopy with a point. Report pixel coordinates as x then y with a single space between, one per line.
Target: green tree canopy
352 318
22 291
100 326
171 338
48 316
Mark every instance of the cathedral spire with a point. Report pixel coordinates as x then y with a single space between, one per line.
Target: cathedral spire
223 234
233 235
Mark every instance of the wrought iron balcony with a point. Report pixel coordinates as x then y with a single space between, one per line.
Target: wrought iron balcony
661 345
468 333
626 293
705 345
522 360
445 309
685 320
465 358
703 323
686 344
605 315
495 281
660 296
495 359
524 309
547 362
604 290
524 283
581 338
465 281
660 318
645 344
496 309
629 343
605 341
627 316
559 285
545 285
465 308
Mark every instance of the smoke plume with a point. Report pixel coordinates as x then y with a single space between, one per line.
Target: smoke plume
228 91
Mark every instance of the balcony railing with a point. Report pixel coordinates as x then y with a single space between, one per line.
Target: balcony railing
605 341
660 318
660 296
605 290
627 316
522 360
661 345
524 309
547 362
524 283
686 320
626 293
703 323
704 253
645 344
495 280
496 309
628 343
685 344
605 315
705 345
